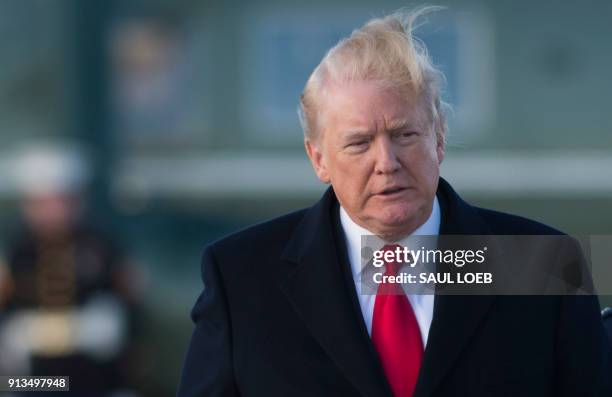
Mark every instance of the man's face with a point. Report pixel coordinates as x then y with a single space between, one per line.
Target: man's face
379 150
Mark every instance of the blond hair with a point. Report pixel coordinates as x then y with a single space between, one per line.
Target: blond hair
383 50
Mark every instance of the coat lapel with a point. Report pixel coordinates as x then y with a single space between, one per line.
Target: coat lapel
315 286
455 317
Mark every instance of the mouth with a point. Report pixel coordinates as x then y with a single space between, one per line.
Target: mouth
390 191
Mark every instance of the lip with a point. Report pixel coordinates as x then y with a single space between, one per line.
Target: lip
391 191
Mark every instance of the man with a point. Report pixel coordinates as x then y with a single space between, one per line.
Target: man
280 314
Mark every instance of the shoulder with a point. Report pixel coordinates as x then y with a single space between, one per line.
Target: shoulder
268 236
503 223
465 218
249 256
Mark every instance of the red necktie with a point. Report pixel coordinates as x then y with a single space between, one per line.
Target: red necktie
396 334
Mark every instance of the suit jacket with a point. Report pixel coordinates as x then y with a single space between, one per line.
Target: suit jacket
279 316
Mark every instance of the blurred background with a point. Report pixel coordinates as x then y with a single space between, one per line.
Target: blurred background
133 133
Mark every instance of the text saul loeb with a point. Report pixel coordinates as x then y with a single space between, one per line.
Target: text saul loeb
410 257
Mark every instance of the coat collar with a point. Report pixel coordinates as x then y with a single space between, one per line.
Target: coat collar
317 286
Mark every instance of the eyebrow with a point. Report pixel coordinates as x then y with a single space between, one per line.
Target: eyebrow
357 134
394 126
397 125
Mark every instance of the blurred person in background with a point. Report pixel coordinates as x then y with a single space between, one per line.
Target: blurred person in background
68 296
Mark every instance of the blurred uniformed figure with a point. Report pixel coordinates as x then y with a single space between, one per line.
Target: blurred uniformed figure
67 294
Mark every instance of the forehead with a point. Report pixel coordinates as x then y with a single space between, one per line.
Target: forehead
370 105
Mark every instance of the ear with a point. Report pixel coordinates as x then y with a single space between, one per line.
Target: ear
313 150
440 147
440 139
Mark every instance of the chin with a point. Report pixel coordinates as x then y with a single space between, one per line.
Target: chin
399 219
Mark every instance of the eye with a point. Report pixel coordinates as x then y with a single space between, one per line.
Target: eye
357 146
405 136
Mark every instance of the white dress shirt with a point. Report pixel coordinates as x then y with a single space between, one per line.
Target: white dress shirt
422 305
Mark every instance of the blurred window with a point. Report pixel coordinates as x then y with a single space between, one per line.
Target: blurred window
283 46
159 91
34 70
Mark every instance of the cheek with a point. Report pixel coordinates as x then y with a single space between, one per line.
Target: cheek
351 169
423 164
351 180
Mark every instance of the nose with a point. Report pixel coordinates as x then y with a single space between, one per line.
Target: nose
386 159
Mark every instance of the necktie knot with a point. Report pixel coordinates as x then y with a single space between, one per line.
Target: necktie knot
392 265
